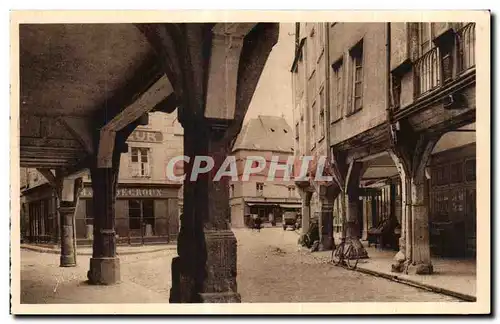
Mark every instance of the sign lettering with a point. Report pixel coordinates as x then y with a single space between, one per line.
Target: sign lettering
145 136
130 192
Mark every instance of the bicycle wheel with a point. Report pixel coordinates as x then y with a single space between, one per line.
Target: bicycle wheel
337 255
351 257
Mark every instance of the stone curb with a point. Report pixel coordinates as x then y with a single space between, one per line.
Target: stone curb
57 251
413 283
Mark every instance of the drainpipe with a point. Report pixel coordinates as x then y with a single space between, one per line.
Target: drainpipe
327 89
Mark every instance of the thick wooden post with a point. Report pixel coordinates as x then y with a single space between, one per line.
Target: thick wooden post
104 264
410 154
352 207
205 270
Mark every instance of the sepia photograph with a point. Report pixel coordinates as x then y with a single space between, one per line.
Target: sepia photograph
259 162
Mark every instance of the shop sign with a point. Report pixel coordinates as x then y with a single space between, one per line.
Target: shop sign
145 136
131 192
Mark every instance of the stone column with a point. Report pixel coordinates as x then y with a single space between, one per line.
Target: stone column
67 192
400 259
104 264
306 210
68 242
420 257
326 224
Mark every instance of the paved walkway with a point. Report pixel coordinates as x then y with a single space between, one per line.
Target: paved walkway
271 268
453 277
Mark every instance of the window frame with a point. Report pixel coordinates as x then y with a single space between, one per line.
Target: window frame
338 90
143 167
356 54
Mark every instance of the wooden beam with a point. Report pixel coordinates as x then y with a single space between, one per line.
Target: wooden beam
47 174
82 130
146 102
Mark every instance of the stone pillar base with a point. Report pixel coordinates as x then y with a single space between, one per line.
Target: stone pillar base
104 271
326 243
67 261
360 249
221 262
420 269
223 297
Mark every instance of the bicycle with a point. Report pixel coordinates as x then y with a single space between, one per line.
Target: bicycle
345 254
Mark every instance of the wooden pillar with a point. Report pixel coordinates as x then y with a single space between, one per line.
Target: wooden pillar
327 197
205 270
352 207
104 265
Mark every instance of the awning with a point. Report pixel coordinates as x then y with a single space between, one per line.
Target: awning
290 205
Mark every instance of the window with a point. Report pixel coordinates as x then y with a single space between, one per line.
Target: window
322 113
456 174
424 37
140 161
470 170
297 136
231 191
336 101
141 214
134 214
441 175
89 211
396 91
260 188
313 124
356 78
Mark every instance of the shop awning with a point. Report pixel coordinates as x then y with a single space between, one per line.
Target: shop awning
290 205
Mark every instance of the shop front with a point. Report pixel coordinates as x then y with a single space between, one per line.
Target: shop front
39 222
144 214
453 202
271 211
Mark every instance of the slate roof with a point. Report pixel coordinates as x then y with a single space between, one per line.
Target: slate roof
265 133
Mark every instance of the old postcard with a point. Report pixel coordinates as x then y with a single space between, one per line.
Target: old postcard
231 162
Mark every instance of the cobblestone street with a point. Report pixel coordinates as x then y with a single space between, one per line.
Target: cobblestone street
271 268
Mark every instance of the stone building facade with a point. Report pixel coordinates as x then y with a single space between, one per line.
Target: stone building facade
396 105
147 207
267 137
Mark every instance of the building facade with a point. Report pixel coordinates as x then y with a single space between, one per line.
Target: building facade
267 137
147 206
396 104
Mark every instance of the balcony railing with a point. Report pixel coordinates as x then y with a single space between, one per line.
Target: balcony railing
442 64
466 38
427 72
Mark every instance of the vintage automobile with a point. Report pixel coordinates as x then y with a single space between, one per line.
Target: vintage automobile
289 220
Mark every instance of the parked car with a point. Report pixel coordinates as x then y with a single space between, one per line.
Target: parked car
289 219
